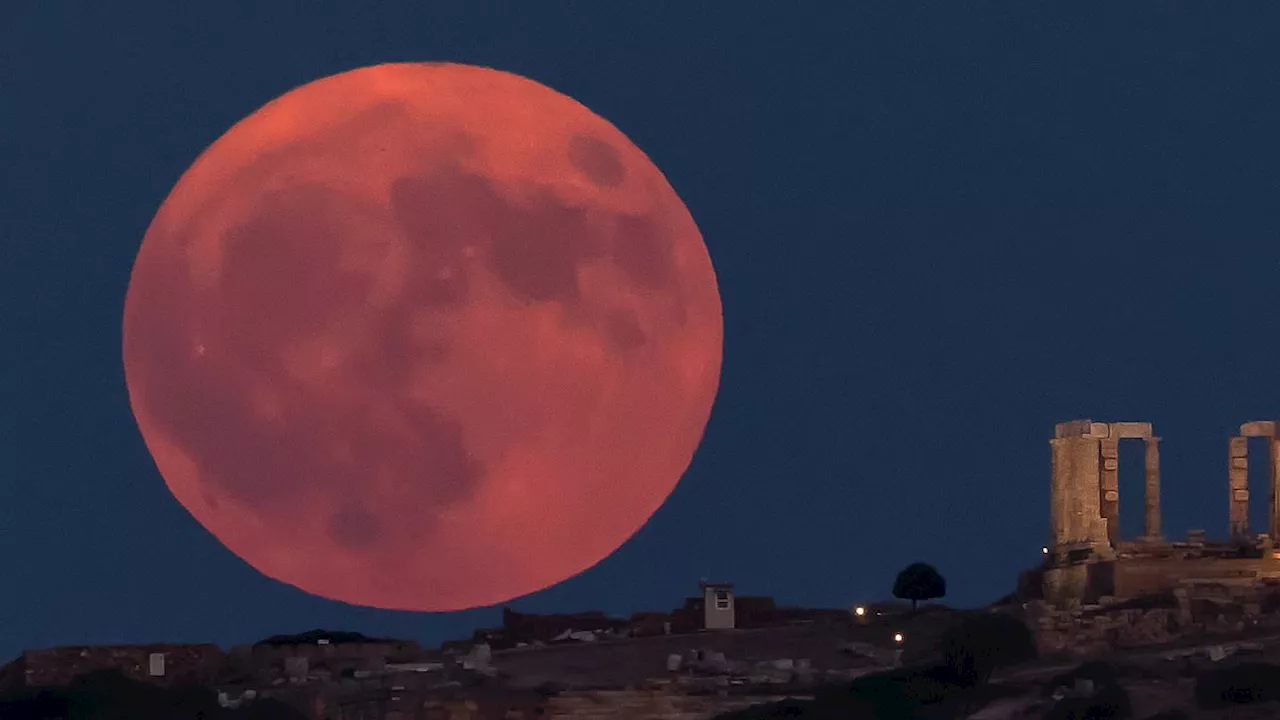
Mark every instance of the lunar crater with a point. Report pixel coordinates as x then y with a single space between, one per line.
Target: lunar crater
624 332
644 252
597 160
354 527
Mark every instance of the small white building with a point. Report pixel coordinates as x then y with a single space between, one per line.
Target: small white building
717 606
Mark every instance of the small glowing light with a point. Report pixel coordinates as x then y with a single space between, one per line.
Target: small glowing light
897 637
1044 550
859 611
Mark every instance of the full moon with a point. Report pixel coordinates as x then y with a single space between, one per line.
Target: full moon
422 337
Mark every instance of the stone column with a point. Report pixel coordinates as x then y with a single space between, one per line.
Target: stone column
1059 494
1274 445
1238 481
1110 487
1075 494
1151 525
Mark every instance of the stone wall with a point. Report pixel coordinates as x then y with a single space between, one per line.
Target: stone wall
1139 577
1085 581
1198 611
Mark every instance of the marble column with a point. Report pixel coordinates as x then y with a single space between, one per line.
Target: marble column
1274 445
1151 524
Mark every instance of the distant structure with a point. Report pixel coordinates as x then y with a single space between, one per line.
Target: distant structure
717 606
1087 558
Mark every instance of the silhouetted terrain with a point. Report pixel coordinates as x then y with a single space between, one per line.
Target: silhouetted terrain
109 695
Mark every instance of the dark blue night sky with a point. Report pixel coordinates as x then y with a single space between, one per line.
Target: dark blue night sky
939 228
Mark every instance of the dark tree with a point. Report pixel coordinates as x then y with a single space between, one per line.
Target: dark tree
919 581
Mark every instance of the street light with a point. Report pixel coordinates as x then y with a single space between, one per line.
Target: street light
897 637
859 611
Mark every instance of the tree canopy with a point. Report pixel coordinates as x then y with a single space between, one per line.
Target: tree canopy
919 581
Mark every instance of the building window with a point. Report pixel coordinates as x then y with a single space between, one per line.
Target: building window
722 599
156 665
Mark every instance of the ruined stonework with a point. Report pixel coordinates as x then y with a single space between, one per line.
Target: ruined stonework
1087 558
1085 489
1192 611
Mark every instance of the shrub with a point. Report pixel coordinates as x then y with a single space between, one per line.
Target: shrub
192 701
108 694
891 695
981 644
1244 683
900 693
35 705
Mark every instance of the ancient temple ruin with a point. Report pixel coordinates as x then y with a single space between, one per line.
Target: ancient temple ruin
1087 557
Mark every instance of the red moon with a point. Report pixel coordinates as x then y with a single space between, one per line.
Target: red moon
422 337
